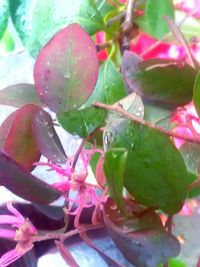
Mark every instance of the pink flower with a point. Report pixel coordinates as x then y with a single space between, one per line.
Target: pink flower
20 230
78 191
186 122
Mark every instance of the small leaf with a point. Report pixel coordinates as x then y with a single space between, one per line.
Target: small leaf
20 143
110 87
24 184
38 20
46 138
196 94
166 82
82 122
62 79
19 95
175 262
4 14
142 239
114 167
155 173
154 12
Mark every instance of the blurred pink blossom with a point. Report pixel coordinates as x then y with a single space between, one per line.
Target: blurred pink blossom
20 230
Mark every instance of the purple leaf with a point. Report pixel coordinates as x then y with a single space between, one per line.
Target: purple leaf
66 69
46 138
18 95
20 143
141 238
23 183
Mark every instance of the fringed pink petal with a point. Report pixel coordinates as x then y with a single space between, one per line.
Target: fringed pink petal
9 257
8 234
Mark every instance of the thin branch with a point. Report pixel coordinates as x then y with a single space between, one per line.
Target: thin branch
120 110
78 153
127 24
195 184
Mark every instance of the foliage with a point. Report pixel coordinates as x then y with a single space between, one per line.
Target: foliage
129 111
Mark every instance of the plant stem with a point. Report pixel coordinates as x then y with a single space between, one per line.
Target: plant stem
195 184
78 153
62 236
120 110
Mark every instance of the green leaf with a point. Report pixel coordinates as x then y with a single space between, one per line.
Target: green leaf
4 14
166 82
18 95
110 87
7 43
38 20
155 173
141 238
175 262
154 12
196 94
82 122
61 77
23 183
114 167
20 142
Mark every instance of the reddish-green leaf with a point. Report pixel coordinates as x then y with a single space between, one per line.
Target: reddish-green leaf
19 95
5 127
141 238
23 183
163 81
66 70
46 137
20 143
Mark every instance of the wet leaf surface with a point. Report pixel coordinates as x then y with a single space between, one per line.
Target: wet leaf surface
62 79
46 138
141 238
155 173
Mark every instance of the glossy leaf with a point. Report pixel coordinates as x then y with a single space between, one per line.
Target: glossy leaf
5 127
62 79
46 138
142 239
114 168
20 143
196 94
4 14
110 87
155 173
154 12
82 122
165 82
24 184
38 20
19 95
